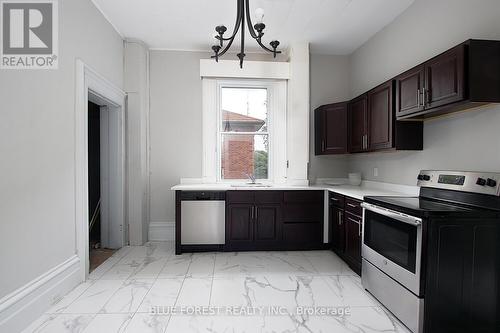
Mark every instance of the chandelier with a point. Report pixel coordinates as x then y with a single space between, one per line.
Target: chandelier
256 32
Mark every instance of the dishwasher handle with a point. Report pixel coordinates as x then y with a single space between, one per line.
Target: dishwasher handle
203 195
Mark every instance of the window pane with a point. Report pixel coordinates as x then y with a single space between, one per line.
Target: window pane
244 154
244 109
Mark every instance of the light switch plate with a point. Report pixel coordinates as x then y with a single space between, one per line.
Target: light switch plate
375 172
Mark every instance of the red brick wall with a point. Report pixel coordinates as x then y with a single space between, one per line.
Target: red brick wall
237 156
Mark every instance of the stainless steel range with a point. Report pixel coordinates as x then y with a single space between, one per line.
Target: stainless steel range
408 244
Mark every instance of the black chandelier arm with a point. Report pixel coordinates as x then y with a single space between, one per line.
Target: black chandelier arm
249 21
241 55
237 25
257 37
266 48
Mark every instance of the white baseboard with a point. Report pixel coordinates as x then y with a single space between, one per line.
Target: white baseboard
24 305
162 231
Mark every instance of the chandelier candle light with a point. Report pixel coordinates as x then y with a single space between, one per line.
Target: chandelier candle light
256 32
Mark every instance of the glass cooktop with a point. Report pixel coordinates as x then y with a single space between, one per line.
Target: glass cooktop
416 203
422 207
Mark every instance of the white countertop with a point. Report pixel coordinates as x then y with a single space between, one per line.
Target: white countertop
367 188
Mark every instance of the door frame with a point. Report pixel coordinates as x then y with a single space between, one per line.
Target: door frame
91 86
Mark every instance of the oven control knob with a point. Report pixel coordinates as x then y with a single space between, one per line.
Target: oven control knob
481 181
491 182
426 177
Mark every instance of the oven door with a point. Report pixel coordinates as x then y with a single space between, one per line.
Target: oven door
392 242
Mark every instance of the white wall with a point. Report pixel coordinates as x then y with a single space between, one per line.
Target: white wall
330 77
37 202
175 126
467 141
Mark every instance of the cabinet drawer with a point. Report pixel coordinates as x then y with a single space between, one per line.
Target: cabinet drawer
303 196
267 197
353 206
303 233
337 200
240 196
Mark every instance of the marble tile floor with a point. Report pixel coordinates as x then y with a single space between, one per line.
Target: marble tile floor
132 291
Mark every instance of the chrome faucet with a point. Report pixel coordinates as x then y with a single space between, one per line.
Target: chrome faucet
251 177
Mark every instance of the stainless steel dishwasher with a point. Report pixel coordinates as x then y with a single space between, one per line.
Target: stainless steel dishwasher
203 217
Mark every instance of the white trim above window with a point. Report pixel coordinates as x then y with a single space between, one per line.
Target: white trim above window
251 69
277 100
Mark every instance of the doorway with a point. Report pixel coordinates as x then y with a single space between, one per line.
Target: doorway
98 252
100 172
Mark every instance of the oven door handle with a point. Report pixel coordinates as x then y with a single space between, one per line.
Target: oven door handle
393 214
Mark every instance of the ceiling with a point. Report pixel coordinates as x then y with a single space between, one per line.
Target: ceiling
331 26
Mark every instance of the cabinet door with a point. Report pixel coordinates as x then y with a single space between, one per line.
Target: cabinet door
319 131
358 124
267 223
380 117
463 277
353 239
337 233
409 91
444 78
335 128
239 224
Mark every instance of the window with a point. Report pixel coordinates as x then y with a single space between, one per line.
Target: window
244 132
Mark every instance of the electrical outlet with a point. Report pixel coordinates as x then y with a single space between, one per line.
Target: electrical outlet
375 172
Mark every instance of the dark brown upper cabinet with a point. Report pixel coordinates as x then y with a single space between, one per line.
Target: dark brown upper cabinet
331 129
358 124
409 88
380 117
444 78
373 125
463 77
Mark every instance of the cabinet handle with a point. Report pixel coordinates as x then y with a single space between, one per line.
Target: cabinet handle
323 145
359 230
251 212
418 97
353 220
256 212
351 205
340 218
424 97
334 199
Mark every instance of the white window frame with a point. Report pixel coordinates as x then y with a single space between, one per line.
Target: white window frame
277 103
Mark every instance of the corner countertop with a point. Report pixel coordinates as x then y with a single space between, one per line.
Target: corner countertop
367 188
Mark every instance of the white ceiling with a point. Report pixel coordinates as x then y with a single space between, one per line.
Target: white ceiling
331 26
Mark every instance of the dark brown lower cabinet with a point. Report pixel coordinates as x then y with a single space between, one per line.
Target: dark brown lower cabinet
267 223
463 270
337 229
303 219
353 240
241 230
274 220
345 229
